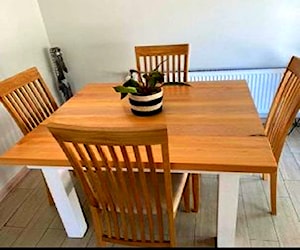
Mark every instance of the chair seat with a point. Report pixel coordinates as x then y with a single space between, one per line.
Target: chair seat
179 181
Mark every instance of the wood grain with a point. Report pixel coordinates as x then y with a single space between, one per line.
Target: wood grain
212 126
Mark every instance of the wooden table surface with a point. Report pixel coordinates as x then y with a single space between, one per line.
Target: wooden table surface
212 126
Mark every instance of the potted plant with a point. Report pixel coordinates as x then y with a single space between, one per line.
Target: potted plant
145 91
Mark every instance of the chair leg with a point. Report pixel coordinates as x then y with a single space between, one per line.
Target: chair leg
97 226
265 177
273 193
186 195
195 187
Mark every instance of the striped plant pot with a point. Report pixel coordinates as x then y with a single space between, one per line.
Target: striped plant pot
146 105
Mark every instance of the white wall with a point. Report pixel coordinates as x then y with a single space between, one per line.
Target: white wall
23 44
23 40
98 36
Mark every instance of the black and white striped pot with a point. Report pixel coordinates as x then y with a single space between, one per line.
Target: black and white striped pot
146 105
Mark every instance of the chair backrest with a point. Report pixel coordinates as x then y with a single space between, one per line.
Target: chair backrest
172 60
285 107
112 164
27 98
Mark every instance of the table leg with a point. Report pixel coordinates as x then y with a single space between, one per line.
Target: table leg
227 209
66 201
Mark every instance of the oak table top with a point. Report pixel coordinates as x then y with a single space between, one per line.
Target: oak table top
212 126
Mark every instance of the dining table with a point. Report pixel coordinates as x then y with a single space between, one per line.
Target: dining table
213 128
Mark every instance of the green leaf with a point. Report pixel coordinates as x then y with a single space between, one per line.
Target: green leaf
152 82
155 74
158 76
131 83
123 89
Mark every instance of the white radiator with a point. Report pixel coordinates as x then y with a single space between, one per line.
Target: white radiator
262 83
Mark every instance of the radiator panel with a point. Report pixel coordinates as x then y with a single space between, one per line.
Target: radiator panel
262 83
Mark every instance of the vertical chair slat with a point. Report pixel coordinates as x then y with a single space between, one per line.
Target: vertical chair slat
168 69
25 108
33 104
145 192
27 105
151 62
185 67
45 95
119 184
145 63
163 63
179 69
101 189
126 186
116 204
38 102
156 192
156 62
173 69
138 203
41 97
168 189
109 202
22 117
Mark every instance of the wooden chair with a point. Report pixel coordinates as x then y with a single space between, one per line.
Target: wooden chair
132 201
28 100
173 61
283 111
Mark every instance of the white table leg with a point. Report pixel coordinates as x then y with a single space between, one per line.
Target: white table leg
66 201
227 209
